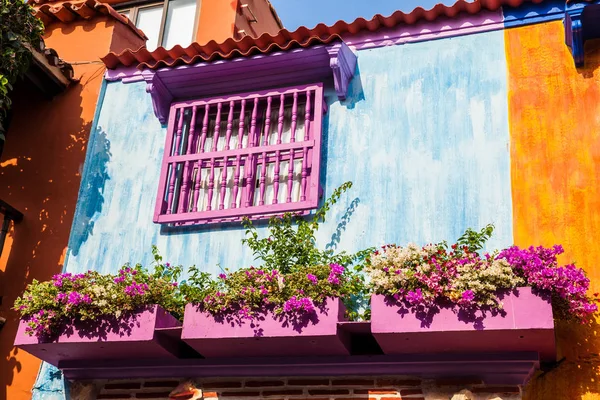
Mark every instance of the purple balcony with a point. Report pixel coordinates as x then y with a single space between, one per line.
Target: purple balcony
268 335
147 334
498 349
525 325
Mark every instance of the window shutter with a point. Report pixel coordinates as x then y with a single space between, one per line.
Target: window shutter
254 155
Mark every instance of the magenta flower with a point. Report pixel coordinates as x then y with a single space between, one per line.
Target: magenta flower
337 269
468 296
302 304
333 279
414 297
312 278
136 289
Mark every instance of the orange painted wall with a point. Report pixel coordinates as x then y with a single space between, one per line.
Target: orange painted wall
40 176
217 20
554 112
220 20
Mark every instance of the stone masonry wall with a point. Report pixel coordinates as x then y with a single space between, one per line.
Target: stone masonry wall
301 388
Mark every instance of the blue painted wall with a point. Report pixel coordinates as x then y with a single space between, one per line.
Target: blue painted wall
424 137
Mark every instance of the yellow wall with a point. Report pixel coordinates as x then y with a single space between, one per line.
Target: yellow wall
554 112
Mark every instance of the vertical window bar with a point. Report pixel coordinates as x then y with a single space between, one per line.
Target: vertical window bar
223 184
204 128
249 160
294 117
278 154
242 125
184 199
172 181
305 148
211 184
265 143
292 140
217 127
229 124
236 177
280 119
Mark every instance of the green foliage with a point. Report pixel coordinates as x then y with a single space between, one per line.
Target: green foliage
290 247
19 28
475 241
92 295
249 291
291 242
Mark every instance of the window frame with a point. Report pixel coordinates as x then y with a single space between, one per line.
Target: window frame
133 8
169 211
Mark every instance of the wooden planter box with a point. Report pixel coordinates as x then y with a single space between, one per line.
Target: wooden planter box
138 335
526 325
267 335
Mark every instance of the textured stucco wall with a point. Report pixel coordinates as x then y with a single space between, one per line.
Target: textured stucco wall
554 113
424 138
40 174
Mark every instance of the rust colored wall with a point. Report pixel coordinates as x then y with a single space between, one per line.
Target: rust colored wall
265 20
221 19
217 20
40 176
555 152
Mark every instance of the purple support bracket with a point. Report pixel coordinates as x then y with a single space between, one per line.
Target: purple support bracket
161 95
343 64
248 74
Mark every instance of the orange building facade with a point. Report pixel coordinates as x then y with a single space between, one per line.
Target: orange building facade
498 87
40 168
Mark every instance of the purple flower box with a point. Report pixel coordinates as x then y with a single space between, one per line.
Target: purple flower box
267 335
139 335
525 325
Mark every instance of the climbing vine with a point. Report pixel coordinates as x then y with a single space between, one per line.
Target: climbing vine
20 31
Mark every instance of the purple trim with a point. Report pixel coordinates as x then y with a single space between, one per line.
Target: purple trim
343 64
126 74
443 27
525 325
259 153
156 346
498 369
269 335
125 338
299 66
161 96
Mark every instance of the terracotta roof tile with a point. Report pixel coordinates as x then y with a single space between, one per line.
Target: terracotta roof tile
230 48
50 63
54 60
71 11
301 37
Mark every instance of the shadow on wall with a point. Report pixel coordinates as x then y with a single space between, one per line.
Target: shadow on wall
355 91
39 175
580 347
92 189
592 59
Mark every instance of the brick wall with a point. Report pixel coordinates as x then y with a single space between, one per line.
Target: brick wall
338 388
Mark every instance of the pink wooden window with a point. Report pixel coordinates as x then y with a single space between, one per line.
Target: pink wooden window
254 154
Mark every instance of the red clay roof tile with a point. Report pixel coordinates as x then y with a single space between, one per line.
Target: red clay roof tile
70 11
301 37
